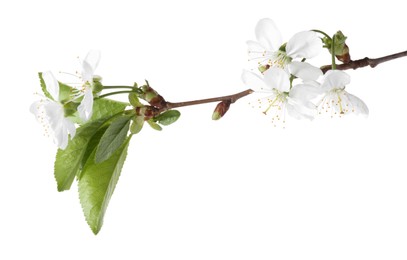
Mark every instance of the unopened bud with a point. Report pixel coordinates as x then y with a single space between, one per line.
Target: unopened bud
152 97
221 110
340 48
147 112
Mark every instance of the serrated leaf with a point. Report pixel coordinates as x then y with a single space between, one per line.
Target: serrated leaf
68 162
154 125
97 185
168 117
137 124
113 138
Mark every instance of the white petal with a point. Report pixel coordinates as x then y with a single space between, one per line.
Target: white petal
93 59
70 126
305 93
90 64
299 110
51 84
358 106
304 45
256 51
34 108
335 79
277 78
304 71
254 81
268 35
85 108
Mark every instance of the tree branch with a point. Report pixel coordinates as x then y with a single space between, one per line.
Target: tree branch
355 64
231 98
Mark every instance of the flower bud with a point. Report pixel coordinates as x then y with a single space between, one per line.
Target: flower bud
152 97
221 110
341 49
147 111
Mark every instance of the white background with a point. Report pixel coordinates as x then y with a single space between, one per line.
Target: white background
233 189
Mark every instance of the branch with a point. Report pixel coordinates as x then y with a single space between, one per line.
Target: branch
231 98
355 64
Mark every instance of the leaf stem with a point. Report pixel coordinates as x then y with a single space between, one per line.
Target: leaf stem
333 53
115 87
323 33
116 92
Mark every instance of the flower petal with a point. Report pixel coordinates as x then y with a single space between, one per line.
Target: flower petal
268 35
300 110
90 64
305 93
85 108
304 45
304 71
358 106
254 81
277 78
335 79
52 85
70 127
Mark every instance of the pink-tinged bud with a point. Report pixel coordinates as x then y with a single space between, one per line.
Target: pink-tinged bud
221 110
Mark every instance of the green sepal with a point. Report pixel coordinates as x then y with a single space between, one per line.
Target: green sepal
113 138
134 100
97 184
154 125
168 117
339 43
137 124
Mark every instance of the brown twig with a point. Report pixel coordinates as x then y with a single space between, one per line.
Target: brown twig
355 64
231 98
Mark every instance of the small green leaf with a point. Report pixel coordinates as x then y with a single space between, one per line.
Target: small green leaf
134 100
154 125
168 117
97 184
137 125
65 91
113 138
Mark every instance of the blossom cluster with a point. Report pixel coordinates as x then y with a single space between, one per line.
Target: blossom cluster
291 85
55 111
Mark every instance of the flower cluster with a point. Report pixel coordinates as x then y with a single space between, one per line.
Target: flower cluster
56 110
281 65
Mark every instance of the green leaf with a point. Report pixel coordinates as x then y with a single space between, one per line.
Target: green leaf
168 117
113 138
137 125
104 107
64 90
97 184
68 162
154 125
134 100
